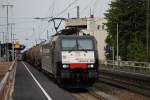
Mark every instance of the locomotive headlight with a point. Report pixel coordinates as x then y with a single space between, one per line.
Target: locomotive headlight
65 66
91 66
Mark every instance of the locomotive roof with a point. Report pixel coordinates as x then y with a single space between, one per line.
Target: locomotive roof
54 38
68 31
75 36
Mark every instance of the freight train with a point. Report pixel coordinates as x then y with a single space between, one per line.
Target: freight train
71 59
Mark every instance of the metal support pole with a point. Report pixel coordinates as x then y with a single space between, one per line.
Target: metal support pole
147 30
13 46
2 41
13 51
7 36
11 32
117 42
3 37
12 41
78 12
68 15
0 52
113 55
27 41
0 48
47 35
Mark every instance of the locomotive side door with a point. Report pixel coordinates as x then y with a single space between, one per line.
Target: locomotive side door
53 57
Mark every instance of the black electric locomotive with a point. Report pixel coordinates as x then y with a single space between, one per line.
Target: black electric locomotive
71 59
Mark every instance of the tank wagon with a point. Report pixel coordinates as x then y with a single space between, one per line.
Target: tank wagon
71 59
34 56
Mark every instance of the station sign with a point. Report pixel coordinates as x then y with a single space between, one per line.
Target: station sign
19 46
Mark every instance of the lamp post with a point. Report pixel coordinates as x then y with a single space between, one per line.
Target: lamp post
117 41
12 41
147 30
7 38
113 53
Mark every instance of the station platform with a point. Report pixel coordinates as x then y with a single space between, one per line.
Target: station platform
31 84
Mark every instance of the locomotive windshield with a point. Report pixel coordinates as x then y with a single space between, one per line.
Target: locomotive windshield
69 44
84 44
77 44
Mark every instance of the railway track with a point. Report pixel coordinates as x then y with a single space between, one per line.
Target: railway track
114 85
85 96
92 93
133 82
82 94
97 92
102 91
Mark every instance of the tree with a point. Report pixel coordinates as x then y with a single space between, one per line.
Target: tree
136 50
130 15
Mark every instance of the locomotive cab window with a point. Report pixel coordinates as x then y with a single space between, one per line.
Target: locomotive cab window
85 44
69 44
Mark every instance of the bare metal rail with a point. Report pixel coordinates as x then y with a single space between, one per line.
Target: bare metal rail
131 81
7 82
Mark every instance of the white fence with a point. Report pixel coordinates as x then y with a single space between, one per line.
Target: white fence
126 63
7 82
133 66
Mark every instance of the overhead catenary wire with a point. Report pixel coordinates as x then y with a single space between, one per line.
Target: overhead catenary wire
53 7
53 4
18 18
52 13
42 31
44 26
64 10
89 5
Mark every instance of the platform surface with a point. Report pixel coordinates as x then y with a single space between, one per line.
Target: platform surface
26 88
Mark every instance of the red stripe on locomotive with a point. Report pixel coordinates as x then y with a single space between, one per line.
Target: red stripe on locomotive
74 66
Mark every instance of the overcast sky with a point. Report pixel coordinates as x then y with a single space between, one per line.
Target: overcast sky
24 11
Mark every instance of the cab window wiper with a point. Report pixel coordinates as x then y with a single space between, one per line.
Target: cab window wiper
83 49
73 48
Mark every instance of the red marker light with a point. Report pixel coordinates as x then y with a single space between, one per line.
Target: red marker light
82 66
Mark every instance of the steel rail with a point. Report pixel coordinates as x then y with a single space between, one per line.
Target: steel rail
86 95
100 94
139 83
